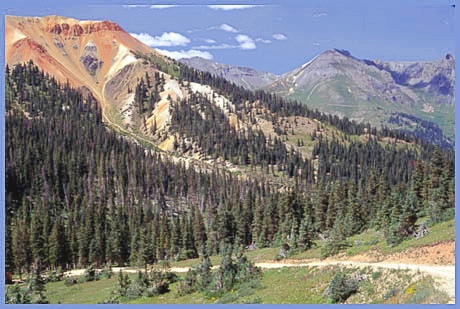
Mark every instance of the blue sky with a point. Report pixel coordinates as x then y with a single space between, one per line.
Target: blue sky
275 36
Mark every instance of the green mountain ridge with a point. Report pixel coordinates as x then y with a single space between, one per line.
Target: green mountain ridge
363 90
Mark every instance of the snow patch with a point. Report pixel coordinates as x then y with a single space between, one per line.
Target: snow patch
122 59
308 63
303 67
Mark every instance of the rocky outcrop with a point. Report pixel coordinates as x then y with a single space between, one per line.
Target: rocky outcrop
81 29
90 59
435 78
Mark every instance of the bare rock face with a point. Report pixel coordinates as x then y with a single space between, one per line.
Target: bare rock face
90 59
81 29
435 78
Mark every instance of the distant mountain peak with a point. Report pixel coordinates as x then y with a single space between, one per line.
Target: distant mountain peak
343 52
369 90
242 76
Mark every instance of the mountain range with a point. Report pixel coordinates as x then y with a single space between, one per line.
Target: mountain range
118 155
138 88
364 90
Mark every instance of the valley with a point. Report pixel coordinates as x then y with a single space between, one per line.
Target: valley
119 158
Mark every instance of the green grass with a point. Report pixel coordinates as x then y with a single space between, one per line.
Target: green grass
303 285
306 285
371 239
293 286
83 293
373 110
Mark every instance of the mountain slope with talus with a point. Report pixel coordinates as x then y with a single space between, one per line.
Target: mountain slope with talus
96 56
138 88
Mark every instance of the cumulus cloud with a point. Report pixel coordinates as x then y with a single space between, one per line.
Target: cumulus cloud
279 36
245 42
210 41
227 27
186 54
166 39
228 7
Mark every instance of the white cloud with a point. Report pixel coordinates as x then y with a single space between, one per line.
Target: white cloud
227 27
245 42
162 6
316 43
229 7
209 41
166 39
261 40
319 14
279 36
186 54
130 6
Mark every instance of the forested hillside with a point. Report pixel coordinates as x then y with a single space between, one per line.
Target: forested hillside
78 194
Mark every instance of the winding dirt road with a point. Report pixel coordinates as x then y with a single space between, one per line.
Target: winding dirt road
444 276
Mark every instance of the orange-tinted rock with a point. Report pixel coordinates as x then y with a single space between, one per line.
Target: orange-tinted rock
56 29
76 30
79 29
65 28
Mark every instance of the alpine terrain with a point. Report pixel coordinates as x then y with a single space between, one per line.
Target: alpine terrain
413 96
118 156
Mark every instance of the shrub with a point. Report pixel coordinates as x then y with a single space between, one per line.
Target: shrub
189 284
55 275
391 293
341 288
106 272
70 281
376 275
333 247
16 295
89 274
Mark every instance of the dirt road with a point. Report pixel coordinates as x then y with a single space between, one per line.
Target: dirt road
444 276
